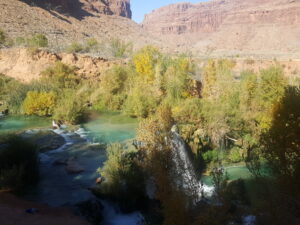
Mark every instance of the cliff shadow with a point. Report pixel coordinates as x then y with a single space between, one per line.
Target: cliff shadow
71 8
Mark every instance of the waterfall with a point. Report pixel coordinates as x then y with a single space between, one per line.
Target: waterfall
113 216
186 169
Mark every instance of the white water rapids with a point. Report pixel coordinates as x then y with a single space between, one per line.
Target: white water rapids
185 167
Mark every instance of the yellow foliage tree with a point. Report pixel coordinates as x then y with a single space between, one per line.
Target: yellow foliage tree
145 61
39 103
209 79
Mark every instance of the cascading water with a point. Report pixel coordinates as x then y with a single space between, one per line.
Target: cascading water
185 167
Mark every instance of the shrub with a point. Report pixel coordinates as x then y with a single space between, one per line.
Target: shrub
211 156
39 103
18 164
235 155
70 108
119 48
61 76
75 48
20 41
124 179
112 89
91 44
2 38
5 41
140 103
113 81
38 41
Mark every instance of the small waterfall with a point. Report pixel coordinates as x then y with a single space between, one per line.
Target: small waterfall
185 167
113 216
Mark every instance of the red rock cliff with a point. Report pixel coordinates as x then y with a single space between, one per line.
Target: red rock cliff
108 7
264 27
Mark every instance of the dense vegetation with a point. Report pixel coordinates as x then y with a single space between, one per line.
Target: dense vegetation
225 118
18 164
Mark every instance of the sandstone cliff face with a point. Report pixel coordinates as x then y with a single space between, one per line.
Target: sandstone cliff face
67 21
24 66
75 7
208 17
230 25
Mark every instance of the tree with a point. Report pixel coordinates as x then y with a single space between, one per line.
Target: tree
70 107
270 91
18 164
154 136
39 103
145 60
123 177
209 79
281 144
61 76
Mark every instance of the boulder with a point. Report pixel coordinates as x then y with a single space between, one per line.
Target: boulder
73 166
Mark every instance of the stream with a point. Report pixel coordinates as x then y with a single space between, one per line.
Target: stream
84 147
59 187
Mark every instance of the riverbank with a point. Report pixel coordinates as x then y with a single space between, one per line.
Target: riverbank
12 211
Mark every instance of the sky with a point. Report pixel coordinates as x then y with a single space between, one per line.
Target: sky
141 7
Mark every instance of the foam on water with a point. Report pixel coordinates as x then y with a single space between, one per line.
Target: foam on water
184 163
113 216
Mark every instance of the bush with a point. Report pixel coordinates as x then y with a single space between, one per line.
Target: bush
39 103
112 89
61 76
70 108
18 164
211 156
75 48
235 155
91 44
140 103
38 40
18 91
2 38
124 179
34 41
119 48
5 41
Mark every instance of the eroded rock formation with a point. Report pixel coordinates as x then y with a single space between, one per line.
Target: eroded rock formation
270 26
75 7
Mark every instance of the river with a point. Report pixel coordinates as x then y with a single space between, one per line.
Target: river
58 187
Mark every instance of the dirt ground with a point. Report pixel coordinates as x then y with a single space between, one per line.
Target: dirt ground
12 212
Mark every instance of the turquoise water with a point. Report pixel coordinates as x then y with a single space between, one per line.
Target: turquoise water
234 173
19 123
111 127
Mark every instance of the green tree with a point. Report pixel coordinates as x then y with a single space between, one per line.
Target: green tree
70 107
123 177
61 76
270 91
281 144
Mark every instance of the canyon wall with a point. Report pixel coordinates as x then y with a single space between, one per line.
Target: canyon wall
261 26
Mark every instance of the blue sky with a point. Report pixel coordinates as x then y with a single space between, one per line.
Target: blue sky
141 7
